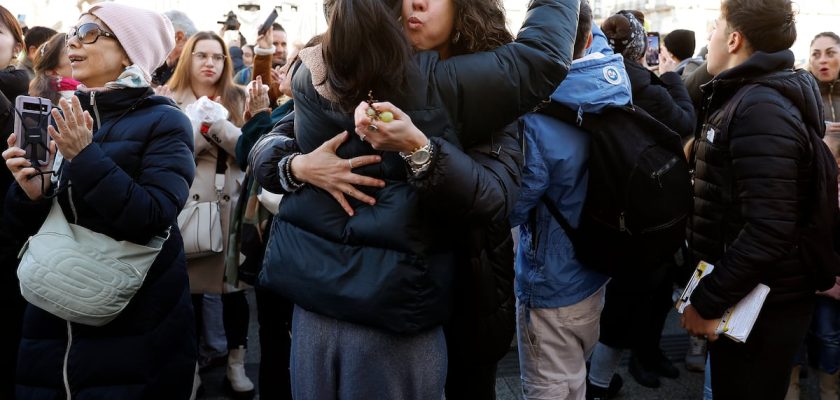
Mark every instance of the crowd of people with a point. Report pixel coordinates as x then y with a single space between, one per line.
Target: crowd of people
405 207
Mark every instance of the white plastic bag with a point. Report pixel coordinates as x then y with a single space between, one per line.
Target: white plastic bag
206 111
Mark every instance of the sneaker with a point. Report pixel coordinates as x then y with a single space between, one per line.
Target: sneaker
695 357
645 377
594 392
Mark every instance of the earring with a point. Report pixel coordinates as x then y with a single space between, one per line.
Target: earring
456 37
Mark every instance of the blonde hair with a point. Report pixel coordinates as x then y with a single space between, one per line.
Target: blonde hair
233 97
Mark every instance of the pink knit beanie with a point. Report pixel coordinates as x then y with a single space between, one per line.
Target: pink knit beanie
146 36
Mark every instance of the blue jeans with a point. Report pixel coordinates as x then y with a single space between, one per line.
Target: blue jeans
707 382
824 348
334 359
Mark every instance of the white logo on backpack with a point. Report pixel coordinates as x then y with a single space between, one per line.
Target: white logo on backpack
612 75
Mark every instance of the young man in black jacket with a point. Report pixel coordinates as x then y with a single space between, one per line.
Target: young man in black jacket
752 187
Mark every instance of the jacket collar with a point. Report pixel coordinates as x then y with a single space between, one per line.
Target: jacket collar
833 87
111 101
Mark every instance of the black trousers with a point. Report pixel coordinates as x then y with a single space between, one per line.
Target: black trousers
14 306
274 313
470 381
235 316
760 368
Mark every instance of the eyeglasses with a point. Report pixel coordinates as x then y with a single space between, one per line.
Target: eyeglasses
89 33
201 56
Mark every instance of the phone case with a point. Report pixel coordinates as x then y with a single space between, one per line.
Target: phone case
32 117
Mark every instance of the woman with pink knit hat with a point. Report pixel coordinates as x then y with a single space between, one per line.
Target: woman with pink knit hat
123 167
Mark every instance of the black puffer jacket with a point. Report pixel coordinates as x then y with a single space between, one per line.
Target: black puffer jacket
663 97
752 183
407 230
483 320
482 324
13 83
129 184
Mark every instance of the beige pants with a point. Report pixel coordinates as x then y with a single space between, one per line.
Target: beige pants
554 344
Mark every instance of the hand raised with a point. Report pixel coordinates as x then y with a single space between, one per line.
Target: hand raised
75 128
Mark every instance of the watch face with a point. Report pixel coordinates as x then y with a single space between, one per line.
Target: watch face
420 157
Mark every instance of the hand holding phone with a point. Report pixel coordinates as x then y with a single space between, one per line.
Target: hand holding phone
268 22
32 117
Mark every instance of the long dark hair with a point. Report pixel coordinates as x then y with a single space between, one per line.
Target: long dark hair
365 49
479 26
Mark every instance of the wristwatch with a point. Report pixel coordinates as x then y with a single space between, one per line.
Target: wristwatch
420 158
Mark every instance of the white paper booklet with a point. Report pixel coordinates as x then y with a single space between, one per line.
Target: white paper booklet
737 321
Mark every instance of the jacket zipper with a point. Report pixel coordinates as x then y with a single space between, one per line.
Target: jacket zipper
72 205
69 185
95 109
66 358
663 226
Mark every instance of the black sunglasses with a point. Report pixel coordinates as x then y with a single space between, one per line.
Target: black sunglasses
89 33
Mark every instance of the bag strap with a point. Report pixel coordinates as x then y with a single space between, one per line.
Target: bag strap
558 216
732 105
221 167
560 112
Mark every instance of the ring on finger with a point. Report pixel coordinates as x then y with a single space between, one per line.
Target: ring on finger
372 128
350 161
362 137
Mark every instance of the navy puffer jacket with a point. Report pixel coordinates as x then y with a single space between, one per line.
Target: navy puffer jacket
130 184
407 230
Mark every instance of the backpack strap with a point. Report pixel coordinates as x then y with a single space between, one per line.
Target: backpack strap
560 112
564 223
728 110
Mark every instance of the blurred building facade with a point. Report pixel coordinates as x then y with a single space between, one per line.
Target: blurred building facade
303 19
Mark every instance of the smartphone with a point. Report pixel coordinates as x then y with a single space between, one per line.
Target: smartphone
652 53
32 117
268 21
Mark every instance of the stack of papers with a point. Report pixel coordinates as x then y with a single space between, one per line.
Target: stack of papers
737 321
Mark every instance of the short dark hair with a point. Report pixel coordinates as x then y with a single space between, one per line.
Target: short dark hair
278 27
38 35
768 25
584 29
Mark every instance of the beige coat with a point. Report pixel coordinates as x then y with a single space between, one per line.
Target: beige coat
207 273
